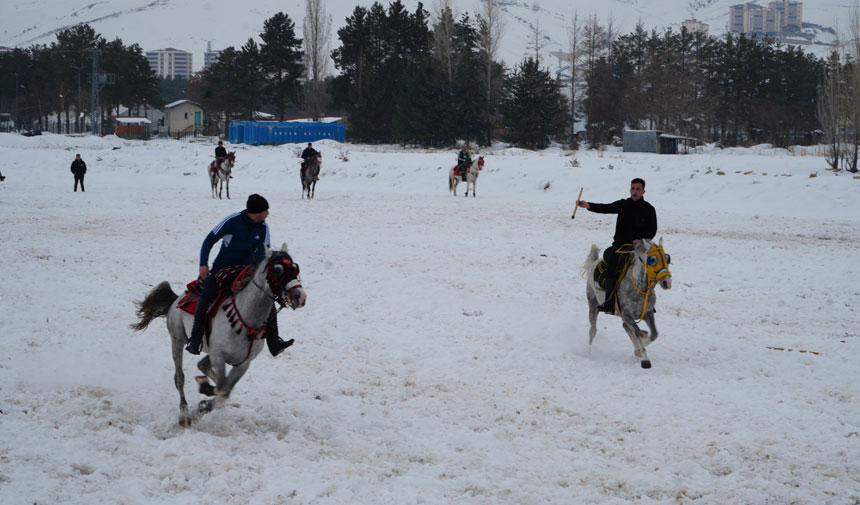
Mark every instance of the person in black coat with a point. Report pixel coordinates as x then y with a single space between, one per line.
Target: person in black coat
636 220
220 154
79 168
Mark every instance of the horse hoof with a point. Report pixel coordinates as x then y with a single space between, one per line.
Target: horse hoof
207 389
204 406
637 353
646 363
185 421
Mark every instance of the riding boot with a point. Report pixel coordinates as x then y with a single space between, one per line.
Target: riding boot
608 305
273 340
195 343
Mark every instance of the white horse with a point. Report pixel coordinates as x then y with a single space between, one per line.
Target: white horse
648 265
238 327
471 177
222 174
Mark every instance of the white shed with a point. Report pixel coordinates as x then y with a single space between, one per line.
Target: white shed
182 116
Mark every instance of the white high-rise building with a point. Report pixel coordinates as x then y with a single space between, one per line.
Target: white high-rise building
170 62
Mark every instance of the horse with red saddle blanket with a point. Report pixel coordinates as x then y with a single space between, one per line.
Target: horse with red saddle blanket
468 174
238 321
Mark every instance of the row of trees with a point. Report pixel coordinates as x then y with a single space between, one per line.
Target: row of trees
729 89
410 77
56 79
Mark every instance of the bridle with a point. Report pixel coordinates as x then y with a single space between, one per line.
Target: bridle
278 268
656 264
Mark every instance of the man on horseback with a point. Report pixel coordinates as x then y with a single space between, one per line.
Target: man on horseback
220 155
464 161
244 238
307 156
636 220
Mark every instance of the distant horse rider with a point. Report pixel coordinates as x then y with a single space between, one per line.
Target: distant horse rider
636 220
464 161
220 155
307 156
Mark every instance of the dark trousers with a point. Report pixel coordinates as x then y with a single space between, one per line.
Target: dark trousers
611 258
79 178
207 293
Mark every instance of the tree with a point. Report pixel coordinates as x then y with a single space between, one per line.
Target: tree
532 106
317 31
280 59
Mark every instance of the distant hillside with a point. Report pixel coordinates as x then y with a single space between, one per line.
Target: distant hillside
191 24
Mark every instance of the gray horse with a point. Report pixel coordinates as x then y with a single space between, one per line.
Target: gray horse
219 176
648 266
237 327
310 174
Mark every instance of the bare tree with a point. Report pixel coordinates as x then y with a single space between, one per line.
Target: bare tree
612 31
593 44
574 39
317 32
491 27
443 35
852 101
537 41
830 107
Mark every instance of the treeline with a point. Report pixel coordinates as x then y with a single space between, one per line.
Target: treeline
56 79
412 78
731 89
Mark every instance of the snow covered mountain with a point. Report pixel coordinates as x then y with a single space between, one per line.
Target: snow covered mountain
191 24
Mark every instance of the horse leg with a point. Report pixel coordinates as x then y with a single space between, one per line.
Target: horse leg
638 339
178 340
228 186
592 315
652 325
313 189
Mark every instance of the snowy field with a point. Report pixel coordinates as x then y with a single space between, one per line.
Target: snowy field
443 355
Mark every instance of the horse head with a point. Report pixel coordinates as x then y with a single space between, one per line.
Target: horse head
282 275
656 262
480 162
231 157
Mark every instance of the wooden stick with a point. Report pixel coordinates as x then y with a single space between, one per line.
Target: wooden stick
577 204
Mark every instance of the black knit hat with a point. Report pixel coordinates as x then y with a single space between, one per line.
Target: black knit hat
256 204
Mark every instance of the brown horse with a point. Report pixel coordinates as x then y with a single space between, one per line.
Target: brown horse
310 174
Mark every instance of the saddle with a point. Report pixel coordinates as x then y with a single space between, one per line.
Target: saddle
624 263
229 280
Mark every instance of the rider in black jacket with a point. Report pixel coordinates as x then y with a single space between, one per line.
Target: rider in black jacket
636 220
220 155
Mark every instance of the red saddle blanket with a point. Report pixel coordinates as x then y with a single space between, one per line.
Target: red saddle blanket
228 279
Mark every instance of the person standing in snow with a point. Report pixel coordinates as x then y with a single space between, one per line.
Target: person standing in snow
79 168
244 238
636 220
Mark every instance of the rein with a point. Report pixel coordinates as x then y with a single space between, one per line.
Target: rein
652 275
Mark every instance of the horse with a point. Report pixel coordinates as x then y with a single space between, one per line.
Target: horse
647 266
223 174
237 327
471 176
310 174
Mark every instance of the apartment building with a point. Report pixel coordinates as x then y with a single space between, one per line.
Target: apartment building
170 62
695 26
770 20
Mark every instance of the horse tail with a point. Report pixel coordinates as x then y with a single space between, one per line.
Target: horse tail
593 255
451 181
156 304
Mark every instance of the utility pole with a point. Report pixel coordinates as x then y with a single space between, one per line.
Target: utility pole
17 124
78 121
99 80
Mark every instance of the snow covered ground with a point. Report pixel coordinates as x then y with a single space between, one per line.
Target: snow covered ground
443 355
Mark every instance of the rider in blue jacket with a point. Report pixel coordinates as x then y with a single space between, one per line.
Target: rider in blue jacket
244 237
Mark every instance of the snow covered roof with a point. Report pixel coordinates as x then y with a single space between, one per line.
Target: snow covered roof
133 120
177 103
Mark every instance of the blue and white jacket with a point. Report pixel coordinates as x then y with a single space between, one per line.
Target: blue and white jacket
243 242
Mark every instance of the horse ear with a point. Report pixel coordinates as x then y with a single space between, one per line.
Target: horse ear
660 243
284 247
268 251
